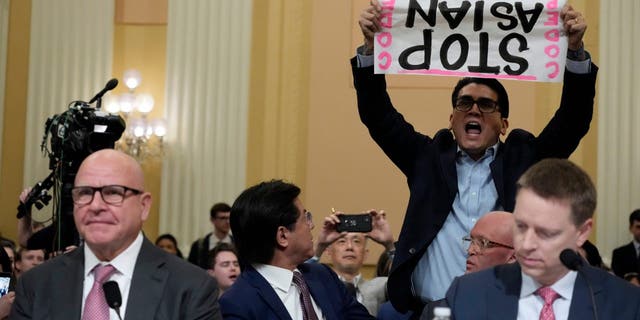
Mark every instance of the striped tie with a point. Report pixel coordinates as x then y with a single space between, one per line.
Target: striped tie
305 298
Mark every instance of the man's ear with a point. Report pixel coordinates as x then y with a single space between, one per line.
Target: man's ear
505 126
282 237
584 231
450 121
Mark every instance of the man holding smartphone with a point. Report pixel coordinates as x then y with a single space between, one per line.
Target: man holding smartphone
344 238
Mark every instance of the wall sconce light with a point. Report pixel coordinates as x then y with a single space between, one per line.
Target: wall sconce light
143 137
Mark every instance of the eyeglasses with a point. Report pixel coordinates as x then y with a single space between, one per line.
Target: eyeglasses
309 217
113 194
482 243
485 105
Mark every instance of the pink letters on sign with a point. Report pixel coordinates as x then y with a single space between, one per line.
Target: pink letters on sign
552 35
385 60
552 50
384 39
555 67
552 19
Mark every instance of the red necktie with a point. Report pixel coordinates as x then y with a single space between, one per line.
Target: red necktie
95 306
549 296
305 297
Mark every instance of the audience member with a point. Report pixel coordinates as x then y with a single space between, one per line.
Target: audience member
26 259
626 259
219 217
489 244
10 250
348 250
110 206
633 278
224 266
6 294
272 232
465 170
168 243
590 253
553 212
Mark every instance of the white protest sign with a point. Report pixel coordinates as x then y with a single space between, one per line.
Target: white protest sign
522 40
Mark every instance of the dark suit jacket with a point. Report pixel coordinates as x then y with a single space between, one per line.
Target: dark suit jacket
252 297
163 287
429 163
493 294
199 252
625 260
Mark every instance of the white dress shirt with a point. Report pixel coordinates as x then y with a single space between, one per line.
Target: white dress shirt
530 304
124 263
281 280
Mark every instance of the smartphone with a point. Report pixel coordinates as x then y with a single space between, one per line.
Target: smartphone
5 281
354 223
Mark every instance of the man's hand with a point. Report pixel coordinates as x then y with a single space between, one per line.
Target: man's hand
370 24
575 26
380 230
328 234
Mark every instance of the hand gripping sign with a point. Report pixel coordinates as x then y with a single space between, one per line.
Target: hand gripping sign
522 40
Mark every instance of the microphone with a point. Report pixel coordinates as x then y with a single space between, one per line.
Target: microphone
573 261
112 294
109 86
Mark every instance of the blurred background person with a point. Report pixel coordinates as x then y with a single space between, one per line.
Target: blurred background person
26 259
224 265
626 259
219 217
168 243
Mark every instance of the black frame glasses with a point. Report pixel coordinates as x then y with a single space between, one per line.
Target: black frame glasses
482 243
111 194
485 105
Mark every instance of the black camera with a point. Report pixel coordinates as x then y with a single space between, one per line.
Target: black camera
354 223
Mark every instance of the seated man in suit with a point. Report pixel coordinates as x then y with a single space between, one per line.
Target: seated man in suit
110 206
348 251
626 259
553 212
272 232
489 244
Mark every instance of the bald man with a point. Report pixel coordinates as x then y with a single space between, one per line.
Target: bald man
491 241
490 244
110 206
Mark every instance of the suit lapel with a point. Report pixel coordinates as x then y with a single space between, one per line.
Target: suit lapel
581 305
68 302
497 175
448 164
507 295
266 292
148 282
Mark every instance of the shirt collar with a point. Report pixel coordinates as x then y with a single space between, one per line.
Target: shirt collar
636 245
356 279
490 152
564 286
277 277
124 263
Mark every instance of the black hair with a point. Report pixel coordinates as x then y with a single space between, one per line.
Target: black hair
171 238
495 85
218 207
256 215
634 216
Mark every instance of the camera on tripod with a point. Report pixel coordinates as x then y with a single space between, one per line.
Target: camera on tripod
69 137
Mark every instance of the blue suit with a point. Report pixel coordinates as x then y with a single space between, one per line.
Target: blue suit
252 297
494 293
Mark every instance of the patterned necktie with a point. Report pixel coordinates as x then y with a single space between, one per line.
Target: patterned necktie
305 297
95 306
549 296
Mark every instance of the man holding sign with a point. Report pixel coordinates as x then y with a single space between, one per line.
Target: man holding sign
464 171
